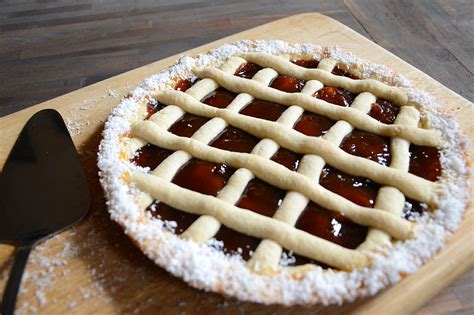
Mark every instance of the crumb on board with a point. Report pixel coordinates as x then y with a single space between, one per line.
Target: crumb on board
113 93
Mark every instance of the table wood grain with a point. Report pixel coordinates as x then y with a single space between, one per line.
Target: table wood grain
48 48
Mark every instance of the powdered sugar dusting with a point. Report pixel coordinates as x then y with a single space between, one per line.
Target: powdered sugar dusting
205 267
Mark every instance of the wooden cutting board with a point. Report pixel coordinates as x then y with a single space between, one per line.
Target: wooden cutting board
95 268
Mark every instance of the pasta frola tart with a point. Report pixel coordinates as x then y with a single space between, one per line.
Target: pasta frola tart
281 173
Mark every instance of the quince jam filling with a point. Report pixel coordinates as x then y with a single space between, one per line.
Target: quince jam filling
341 72
287 158
258 197
335 95
187 125
263 109
234 139
384 111
359 190
261 197
424 162
332 226
367 145
152 107
220 98
150 156
201 176
313 125
183 85
306 63
247 70
287 84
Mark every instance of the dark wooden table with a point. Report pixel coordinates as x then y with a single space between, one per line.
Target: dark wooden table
51 47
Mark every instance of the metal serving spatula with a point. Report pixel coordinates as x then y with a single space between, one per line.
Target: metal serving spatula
43 190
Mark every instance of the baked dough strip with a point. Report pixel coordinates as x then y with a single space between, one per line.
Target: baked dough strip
285 118
267 255
357 119
169 115
413 186
250 223
206 226
278 175
389 198
284 66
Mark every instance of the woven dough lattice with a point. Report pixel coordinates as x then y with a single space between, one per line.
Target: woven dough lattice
279 232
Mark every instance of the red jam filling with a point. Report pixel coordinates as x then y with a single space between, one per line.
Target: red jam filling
153 107
263 109
341 72
384 111
237 243
150 156
201 176
306 63
261 197
220 98
167 213
247 70
233 139
367 145
424 162
287 84
287 158
413 207
187 125
313 125
359 190
183 85
332 226
334 95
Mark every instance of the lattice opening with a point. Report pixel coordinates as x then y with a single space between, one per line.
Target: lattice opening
384 111
263 109
331 226
336 96
368 145
287 158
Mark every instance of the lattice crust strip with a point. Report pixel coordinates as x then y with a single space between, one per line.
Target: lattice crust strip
390 198
278 232
411 185
268 253
356 118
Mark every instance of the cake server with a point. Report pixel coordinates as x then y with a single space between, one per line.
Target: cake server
43 190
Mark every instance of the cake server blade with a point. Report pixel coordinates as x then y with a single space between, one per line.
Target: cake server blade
43 190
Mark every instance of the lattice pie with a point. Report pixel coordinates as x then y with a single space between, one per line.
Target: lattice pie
283 173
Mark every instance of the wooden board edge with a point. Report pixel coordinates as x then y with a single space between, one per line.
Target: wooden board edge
375 305
431 278
419 72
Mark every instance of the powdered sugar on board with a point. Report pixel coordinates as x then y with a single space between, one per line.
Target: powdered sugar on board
80 117
205 267
54 265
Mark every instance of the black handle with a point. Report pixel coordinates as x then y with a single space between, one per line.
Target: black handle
14 281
